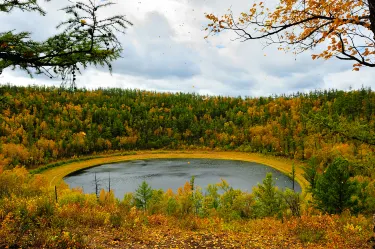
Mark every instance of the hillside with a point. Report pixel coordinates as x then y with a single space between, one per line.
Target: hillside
46 124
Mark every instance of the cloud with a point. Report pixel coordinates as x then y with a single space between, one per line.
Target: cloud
151 51
165 51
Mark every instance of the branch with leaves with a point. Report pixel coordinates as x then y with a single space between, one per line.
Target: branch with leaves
344 29
356 130
29 5
85 40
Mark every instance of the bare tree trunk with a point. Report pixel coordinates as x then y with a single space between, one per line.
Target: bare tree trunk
371 4
55 193
96 186
109 182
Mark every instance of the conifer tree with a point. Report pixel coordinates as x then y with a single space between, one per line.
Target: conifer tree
334 188
311 173
268 199
84 40
142 195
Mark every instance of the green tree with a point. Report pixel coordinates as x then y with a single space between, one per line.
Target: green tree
142 195
155 204
85 40
334 189
293 201
268 198
364 197
211 199
311 173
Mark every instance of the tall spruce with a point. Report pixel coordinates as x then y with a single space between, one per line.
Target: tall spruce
334 188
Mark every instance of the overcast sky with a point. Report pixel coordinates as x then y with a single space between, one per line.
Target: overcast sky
165 50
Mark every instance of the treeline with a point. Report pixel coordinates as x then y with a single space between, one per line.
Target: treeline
41 124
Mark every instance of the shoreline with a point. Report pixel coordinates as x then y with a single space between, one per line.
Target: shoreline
56 174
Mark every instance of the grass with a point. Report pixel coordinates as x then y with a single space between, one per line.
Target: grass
57 171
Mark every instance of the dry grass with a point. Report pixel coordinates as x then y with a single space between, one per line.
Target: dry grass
55 175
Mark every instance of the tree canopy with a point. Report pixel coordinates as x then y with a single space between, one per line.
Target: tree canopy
342 29
84 40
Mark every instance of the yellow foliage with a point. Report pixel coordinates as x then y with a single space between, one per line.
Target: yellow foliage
305 24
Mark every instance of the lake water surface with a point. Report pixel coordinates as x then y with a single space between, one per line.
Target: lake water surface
173 173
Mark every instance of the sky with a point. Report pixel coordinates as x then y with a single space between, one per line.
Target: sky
165 51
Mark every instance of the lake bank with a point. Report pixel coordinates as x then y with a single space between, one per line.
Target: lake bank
56 174
171 174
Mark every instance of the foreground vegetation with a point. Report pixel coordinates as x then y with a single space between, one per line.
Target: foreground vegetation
328 135
32 217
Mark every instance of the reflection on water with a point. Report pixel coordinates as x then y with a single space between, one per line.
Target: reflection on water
173 173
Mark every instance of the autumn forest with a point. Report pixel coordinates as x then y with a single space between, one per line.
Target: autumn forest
41 125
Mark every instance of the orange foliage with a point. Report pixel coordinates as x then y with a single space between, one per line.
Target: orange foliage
343 28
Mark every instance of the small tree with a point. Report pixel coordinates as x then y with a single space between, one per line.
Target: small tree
334 189
268 198
142 195
211 200
196 195
192 181
311 173
293 176
292 201
155 203
97 185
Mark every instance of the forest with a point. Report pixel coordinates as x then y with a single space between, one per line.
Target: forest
41 125
327 133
